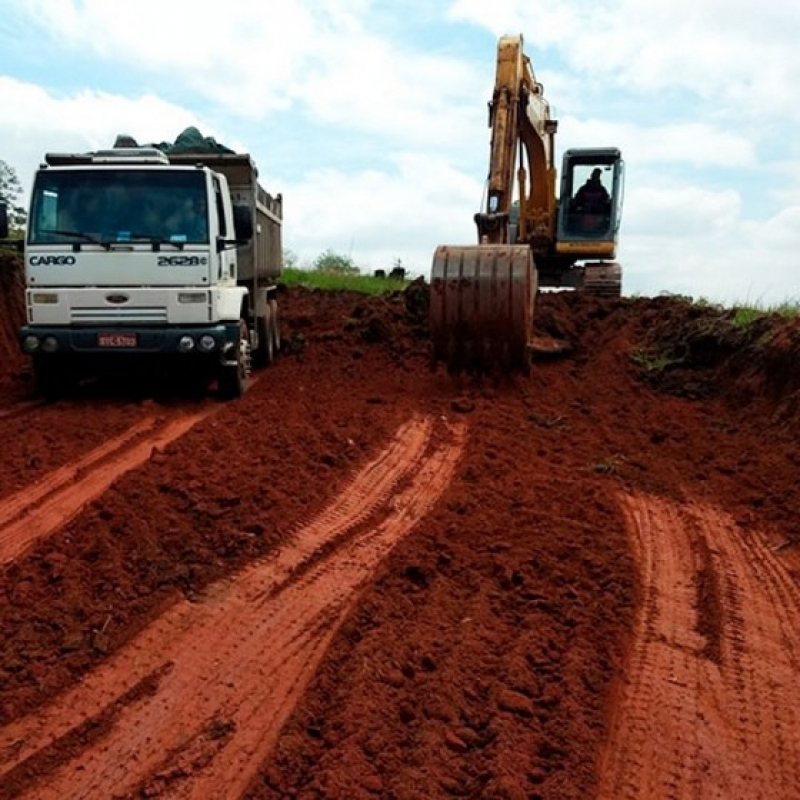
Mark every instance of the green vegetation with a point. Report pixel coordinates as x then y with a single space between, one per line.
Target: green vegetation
747 315
743 315
698 334
317 279
10 191
656 360
335 264
332 271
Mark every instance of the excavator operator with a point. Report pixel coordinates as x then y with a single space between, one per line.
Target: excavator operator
592 197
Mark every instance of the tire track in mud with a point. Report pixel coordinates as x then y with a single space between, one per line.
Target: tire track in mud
35 512
23 407
708 704
223 674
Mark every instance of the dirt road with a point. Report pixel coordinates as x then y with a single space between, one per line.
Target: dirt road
367 580
708 709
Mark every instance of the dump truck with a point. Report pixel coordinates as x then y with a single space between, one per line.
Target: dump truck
157 258
482 296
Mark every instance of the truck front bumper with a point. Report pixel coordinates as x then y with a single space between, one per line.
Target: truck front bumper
205 340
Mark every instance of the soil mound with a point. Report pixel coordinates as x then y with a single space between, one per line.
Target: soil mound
480 658
12 316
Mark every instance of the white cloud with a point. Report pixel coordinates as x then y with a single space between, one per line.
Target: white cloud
248 56
367 84
781 233
376 216
693 143
681 211
36 122
710 251
742 51
257 58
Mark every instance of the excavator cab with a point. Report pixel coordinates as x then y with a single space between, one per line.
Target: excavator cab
590 203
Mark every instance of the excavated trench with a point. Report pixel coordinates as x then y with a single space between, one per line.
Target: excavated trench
366 579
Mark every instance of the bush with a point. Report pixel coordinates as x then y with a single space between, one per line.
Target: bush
335 263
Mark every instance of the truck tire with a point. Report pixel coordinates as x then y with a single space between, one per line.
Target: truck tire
233 378
276 331
263 356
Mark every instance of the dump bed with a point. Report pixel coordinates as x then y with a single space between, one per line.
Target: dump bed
261 259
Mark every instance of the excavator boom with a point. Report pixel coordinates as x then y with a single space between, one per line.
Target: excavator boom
482 296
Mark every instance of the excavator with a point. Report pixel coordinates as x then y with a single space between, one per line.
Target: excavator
482 297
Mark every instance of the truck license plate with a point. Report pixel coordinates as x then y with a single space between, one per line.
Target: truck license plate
116 340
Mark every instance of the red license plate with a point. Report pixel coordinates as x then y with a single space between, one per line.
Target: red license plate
116 340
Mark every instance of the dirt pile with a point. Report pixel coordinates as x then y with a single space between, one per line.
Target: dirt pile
481 657
12 316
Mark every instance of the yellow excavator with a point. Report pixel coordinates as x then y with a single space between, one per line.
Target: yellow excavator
482 296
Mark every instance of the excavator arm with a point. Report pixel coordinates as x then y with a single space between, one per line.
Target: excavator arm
522 149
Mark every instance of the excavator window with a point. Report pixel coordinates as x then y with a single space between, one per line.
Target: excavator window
589 204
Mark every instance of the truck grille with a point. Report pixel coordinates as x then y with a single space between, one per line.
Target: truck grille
105 315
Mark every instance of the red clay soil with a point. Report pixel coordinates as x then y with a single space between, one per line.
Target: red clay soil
12 306
367 579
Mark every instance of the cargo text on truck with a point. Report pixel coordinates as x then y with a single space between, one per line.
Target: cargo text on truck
151 258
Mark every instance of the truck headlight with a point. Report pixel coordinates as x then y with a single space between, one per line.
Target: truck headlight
50 344
207 343
30 344
186 344
192 297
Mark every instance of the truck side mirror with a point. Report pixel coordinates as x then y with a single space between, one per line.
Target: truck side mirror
3 221
243 223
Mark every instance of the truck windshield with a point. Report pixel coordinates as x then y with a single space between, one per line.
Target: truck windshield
104 205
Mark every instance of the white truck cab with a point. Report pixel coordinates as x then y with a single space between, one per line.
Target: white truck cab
134 256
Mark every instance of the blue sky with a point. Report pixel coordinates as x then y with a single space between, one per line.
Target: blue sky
370 117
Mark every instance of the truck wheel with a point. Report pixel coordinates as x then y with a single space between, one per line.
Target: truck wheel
265 353
232 381
276 331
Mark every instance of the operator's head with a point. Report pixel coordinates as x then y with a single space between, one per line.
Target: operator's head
596 173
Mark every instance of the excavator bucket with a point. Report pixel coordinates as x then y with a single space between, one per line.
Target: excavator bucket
481 307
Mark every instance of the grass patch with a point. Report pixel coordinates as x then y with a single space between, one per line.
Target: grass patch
330 281
743 317
746 315
654 360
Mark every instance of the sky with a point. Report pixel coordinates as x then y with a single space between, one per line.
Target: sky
370 117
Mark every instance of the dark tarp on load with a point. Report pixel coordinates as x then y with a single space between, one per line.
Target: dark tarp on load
189 140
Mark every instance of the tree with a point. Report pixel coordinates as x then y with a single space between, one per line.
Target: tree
334 262
398 270
10 191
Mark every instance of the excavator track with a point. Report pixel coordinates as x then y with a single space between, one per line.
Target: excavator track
481 307
603 279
